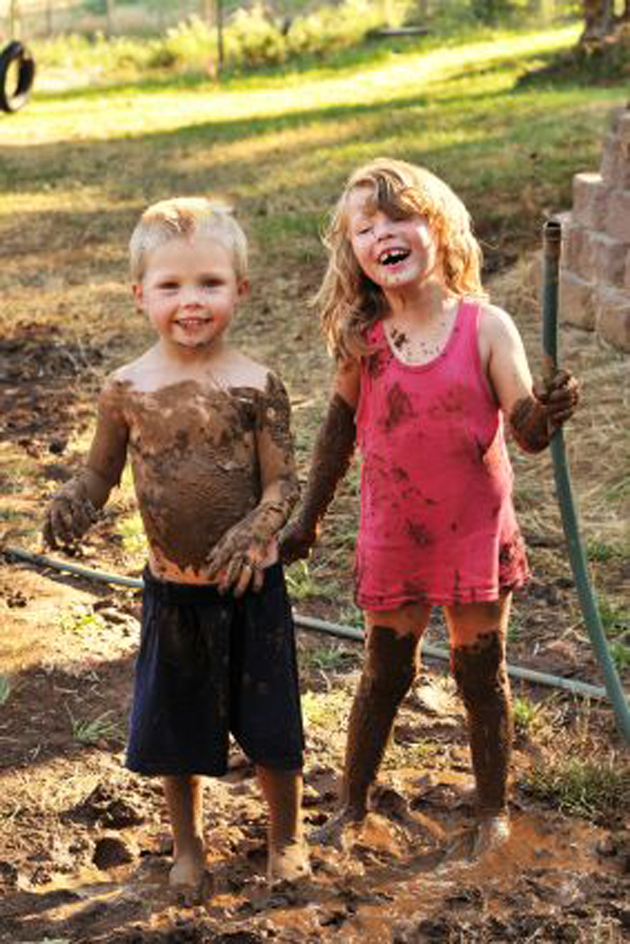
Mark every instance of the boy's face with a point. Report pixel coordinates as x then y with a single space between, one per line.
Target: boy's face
189 291
393 252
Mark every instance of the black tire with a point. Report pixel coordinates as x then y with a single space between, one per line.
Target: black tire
13 95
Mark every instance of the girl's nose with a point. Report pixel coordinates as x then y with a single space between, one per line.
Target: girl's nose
382 226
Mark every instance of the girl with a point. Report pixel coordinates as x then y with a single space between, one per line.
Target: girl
426 370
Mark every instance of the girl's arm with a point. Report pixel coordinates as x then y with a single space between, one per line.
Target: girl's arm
332 454
75 506
533 412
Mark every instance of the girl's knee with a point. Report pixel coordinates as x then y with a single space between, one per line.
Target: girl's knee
479 668
391 662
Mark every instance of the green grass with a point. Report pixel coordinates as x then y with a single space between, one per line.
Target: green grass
281 144
300 582
81 620
5 689
594 789
328 658
133 540
525 714
95 730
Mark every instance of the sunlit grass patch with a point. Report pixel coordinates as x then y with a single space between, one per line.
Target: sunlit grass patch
525 714
592 788
81 620
5 689
328 658
131 529
325 711
301 583
92 731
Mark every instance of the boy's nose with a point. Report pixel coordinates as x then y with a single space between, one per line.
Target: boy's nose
190 298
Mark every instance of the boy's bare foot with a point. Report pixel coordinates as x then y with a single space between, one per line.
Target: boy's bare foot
330 834
491 833
288 862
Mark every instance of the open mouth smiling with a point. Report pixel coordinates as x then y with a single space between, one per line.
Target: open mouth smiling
192 322
391 257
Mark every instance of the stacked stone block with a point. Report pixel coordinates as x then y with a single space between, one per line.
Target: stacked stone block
595 262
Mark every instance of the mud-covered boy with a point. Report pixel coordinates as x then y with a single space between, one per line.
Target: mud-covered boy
207 432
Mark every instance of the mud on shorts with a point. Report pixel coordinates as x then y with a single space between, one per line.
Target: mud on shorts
209 665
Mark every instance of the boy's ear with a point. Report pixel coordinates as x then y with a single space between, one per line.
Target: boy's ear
138 296
243 289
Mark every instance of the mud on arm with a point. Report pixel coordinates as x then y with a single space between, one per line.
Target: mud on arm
76 505
534 418
332 455
237 559
534 411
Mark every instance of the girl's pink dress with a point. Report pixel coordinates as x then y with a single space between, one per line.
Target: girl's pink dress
437 519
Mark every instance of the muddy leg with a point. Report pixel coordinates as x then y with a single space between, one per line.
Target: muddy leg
184 800
479 668
387 676
288 854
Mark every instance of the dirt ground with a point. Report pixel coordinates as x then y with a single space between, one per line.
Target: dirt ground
84 845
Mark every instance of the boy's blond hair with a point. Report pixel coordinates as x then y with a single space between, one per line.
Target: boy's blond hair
350 302
181 218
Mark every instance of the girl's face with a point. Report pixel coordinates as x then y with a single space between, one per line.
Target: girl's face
393 253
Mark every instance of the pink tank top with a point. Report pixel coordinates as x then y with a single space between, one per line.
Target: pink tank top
437 519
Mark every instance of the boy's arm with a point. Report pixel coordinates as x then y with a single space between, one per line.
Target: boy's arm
75 506
534 411
239 556
332 454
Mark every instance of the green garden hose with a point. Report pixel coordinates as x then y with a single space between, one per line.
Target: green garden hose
552 237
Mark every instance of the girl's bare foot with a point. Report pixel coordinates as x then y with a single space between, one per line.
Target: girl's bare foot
288 862
188 870
330 834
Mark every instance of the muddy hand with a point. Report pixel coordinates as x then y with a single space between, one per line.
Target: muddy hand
237 560
68 518
560 395
296 542
241 572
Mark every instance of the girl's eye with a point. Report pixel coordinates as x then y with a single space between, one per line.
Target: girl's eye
169 286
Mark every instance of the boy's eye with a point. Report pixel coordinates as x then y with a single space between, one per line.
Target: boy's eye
168 286
211 283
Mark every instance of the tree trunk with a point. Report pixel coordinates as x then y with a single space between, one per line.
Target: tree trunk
14 19
599 20
109 22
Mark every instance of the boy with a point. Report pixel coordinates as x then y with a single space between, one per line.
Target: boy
207 431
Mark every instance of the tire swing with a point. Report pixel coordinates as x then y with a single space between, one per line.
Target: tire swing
17 71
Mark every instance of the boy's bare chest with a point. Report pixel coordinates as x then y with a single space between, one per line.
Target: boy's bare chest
188 418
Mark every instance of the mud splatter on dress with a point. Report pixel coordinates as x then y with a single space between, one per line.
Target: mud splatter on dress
437 518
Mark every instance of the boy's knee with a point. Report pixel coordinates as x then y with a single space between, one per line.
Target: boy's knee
479 670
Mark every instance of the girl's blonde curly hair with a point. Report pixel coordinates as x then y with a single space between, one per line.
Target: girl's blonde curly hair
350 303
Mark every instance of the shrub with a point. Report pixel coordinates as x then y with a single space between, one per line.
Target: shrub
252 39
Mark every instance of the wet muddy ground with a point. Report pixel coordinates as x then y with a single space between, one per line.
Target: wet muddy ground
85 845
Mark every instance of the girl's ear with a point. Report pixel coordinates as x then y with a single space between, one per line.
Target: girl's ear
243 289
138 296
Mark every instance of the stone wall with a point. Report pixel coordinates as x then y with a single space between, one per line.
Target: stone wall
594 290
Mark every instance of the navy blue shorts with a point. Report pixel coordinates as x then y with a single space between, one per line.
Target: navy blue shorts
209 665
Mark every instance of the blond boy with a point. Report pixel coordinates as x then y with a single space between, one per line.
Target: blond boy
207 432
